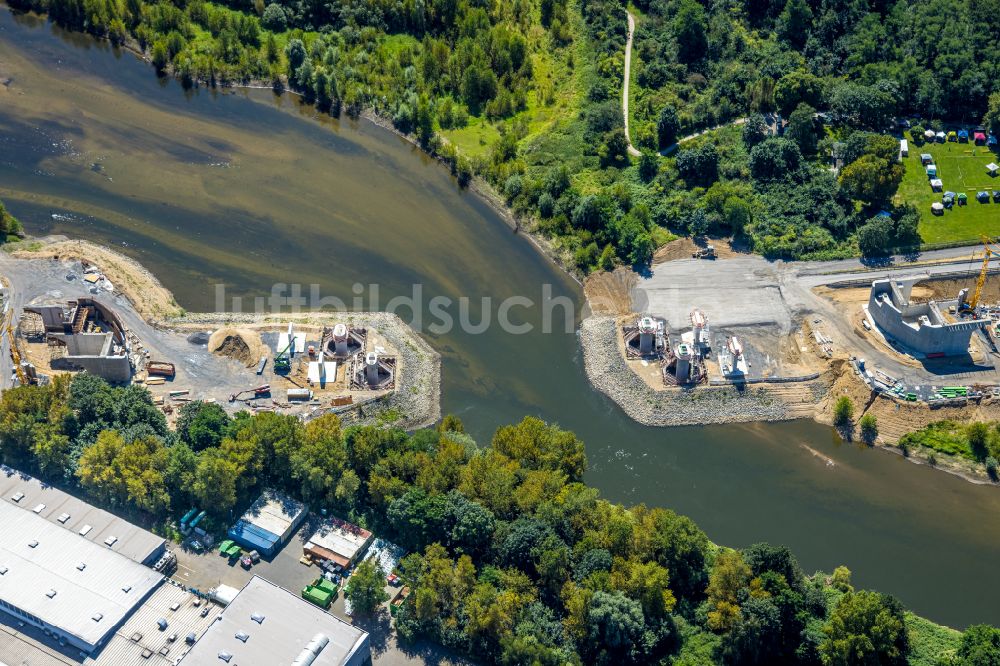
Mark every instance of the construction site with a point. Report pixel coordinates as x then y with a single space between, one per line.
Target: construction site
356 365
741 338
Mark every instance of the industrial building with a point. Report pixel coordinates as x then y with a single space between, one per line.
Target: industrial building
266 625
86 336
79 518
268 523
74 590
160 631
338 541
921 327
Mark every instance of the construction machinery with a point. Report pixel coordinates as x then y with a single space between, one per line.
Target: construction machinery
283 359
258 392
707 252
989 251
15 354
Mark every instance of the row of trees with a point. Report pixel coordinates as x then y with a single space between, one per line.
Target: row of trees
513 558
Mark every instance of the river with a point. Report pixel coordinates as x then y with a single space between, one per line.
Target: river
247 189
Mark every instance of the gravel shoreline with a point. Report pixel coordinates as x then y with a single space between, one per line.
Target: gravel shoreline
609 374
417 397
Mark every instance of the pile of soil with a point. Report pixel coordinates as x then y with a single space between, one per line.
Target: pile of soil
239 344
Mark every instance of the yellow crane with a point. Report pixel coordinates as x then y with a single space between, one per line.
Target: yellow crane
15 355
989 250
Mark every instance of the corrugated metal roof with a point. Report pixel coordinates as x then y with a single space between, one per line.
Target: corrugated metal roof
289 624
19 647
252 536
52 565
341 538
274 513
74 514
141 636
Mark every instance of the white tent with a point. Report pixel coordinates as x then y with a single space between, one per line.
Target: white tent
992 168
936 184
940 136
929 134
937 207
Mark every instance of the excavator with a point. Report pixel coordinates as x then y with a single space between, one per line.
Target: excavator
989 251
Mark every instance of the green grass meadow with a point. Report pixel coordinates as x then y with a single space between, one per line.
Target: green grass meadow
962 168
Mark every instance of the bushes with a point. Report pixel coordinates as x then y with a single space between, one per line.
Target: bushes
869 427
843 412
975 442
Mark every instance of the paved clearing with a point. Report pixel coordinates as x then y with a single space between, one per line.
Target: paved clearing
743 291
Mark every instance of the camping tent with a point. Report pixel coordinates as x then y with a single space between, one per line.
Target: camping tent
992 168
937 185
940 136
979 137
991 140
926 158
953 135
937 208
931 170
929 135
983 196
963 198
963 135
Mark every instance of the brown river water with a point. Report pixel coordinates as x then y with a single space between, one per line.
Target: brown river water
245 189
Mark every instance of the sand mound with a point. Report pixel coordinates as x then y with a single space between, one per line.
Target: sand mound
239 344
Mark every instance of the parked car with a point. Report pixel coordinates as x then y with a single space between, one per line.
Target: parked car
250 559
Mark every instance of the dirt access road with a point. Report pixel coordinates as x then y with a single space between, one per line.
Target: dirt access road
632 150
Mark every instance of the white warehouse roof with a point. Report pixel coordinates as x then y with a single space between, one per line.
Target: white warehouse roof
71 513
267 625
82 588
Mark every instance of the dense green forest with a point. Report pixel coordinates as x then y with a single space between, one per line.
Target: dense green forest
527 94
513 558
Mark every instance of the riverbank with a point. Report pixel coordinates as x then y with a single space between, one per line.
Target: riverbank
799 343
148 296
488 194
152 314
608 372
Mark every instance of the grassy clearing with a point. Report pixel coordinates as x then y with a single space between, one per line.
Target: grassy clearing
947 437
962 168
475 138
